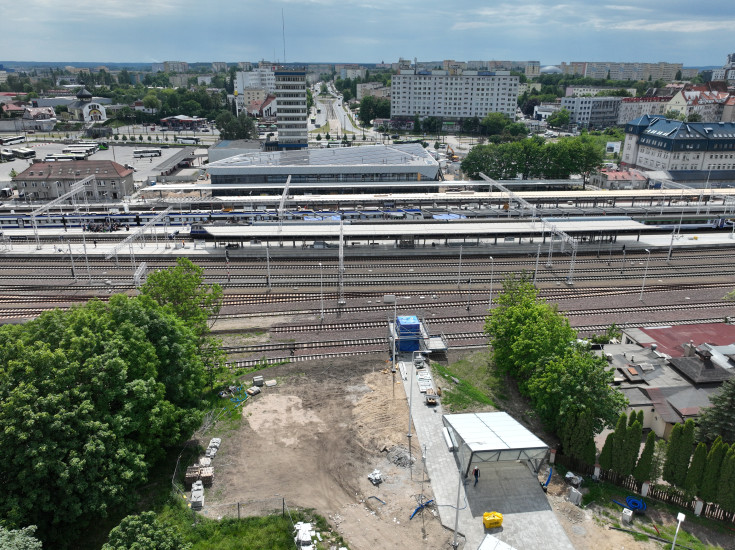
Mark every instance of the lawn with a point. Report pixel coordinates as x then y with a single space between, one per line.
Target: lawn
469 384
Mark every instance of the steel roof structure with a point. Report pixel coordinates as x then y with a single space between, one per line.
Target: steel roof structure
492 437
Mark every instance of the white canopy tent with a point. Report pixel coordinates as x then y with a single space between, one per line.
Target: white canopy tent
492 437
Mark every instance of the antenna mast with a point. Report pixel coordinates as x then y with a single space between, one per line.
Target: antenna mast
283 33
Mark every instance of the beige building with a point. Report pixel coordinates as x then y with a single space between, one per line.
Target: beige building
49 180
634 107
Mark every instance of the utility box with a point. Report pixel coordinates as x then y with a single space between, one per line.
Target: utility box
258 381
627 516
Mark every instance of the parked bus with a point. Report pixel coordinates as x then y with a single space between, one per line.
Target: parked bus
190 140
92 144
6 155
140 153
10 140
58 157
24 153
76 151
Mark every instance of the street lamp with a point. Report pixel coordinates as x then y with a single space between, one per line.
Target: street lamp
645 273
679 518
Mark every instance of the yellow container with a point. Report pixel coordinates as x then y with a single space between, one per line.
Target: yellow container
492 519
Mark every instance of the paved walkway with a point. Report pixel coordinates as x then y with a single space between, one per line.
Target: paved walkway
508 487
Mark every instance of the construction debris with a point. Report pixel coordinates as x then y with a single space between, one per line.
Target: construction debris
197 495
270 383
258 381
375 477
255 390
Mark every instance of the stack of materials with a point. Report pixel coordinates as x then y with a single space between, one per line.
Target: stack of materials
408 333
207 475
192 475
213 447
197 495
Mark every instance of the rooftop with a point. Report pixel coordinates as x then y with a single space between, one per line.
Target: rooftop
670 339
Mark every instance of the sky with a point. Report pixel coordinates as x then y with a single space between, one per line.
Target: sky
367 31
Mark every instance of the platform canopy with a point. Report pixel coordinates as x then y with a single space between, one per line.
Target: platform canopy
492 437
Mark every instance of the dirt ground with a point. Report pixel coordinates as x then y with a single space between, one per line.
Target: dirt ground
315 437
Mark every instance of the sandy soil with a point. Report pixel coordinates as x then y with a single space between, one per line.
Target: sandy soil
314 439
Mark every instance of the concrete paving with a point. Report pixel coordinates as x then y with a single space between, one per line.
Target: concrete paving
507 487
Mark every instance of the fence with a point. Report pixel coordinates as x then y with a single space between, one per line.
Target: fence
668 495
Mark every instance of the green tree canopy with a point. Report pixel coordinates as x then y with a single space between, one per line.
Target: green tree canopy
144 532
719 419
642 470
240 127
558 119
183 290
494 123
89 400
19 539
711 476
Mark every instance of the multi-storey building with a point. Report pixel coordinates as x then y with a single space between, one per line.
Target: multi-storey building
592 112
635 107
49 180
291 108
577 91
219 66
657 143
261 77
350 71
375 89
453 95
623 71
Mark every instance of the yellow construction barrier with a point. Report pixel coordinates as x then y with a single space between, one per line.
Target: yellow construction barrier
492 519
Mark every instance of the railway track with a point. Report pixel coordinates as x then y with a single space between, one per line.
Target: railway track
378 345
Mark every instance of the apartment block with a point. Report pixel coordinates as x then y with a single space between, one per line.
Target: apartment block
623 71
453 95
635 107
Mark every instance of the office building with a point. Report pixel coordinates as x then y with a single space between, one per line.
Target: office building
592 112
291 108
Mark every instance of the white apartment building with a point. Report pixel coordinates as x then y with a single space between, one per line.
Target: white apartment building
623 71
291 108
375 89
261 77
592 112
577 91
453 96
219 66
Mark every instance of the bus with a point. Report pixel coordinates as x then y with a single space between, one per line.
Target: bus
92 144
190 140
75 151
140 153
10 140
6 155
59 157
24 153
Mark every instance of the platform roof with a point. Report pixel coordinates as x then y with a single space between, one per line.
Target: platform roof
492 437
428 229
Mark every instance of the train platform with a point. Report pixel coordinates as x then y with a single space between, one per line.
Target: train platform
164 242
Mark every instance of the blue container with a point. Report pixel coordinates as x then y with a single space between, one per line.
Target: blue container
408 345
408 325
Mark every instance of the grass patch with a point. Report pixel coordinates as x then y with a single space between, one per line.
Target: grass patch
268 532
477 385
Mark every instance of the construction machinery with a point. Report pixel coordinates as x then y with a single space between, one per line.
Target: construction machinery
450 154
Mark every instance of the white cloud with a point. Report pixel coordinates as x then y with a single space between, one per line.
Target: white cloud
681 25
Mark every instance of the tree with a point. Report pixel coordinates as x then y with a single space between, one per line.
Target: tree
494 123
719 418
642 471
318 137
416 123
618 444
91 399
632 445
19 539
240 127
678 75
145 532
606 453
659 458
695 474
694 117
711 476
679 453
558 119
726 485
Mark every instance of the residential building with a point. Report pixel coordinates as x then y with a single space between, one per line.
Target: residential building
179 80
544 110
350 71
291 108
245 65
635 107
623 71
39 118
375 89
49 180
3 77
219 67
579 91
657 143
453 95
592 112
204 80
138 106
175 67
246 96
261 77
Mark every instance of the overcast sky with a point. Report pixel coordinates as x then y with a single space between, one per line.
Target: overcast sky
369 31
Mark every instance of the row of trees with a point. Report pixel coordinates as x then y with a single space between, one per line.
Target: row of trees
566 383
373 107
534 157
698 471
90 398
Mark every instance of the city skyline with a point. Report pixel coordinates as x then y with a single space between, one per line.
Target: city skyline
358 32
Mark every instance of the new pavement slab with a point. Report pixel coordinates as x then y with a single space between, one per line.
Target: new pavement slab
506 487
